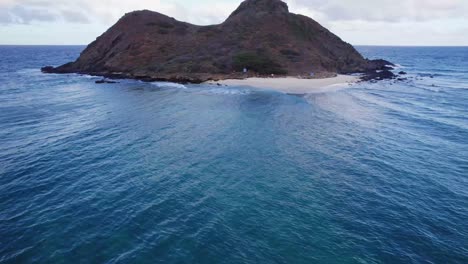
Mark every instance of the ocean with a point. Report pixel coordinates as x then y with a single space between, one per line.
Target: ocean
139 172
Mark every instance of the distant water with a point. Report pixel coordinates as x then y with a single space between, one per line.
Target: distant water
164 173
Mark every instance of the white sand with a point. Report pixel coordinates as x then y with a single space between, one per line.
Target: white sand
293 85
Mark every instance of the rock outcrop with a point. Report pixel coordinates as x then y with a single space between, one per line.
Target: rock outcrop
261 36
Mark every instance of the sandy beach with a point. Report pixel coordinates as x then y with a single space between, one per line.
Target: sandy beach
292 85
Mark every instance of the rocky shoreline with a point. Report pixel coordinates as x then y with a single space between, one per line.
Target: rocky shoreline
383 71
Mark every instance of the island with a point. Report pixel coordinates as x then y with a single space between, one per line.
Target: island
261 38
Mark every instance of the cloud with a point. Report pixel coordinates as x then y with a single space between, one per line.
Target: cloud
210 11
386 10
105 11
409 22
29 11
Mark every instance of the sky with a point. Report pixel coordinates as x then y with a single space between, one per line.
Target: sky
359 22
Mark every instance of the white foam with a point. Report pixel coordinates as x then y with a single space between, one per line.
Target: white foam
30 72
88 76
169 85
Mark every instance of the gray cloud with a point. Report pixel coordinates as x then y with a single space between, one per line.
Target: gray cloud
386 10
389 22
85 11
24 15
29 11
75 16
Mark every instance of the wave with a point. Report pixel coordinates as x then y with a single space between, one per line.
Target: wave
169 85
87 76
430 75
229 91
29 71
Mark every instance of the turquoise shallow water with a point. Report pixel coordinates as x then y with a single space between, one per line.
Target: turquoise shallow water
164 173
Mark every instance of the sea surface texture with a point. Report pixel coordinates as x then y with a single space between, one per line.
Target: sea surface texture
166 173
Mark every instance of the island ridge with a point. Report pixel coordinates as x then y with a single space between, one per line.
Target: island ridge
260 38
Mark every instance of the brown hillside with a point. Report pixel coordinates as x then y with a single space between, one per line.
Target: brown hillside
260 35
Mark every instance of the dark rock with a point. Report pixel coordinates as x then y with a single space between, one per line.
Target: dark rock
378 75
402 73
380 65
261 36
104 81
47 69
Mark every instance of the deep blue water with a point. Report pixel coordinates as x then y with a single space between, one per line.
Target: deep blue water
154 173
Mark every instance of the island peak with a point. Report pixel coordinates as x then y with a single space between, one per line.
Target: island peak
255 7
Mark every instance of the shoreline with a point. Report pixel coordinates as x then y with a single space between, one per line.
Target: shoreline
292 85
286 84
